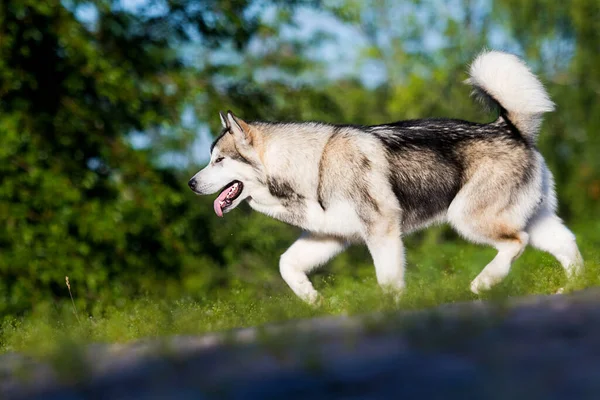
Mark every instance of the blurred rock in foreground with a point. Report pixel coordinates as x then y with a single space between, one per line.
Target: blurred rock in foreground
541 347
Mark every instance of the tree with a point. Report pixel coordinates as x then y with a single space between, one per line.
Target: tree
77 199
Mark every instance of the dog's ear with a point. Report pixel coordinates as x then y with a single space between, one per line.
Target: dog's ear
224 122
239 129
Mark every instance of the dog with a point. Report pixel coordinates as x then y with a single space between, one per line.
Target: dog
344 184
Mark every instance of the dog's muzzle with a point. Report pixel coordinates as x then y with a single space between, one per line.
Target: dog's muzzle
192 184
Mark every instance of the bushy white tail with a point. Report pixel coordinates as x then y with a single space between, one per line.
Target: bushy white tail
505 80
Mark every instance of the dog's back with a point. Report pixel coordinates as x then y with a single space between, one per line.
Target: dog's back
431 160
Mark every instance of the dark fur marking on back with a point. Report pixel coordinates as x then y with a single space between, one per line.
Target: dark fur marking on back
421 202
426 171
426 164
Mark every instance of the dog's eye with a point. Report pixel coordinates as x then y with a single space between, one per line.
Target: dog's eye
218 160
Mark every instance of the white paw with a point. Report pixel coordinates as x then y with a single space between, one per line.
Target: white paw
574 271
313 298
395 292
481 284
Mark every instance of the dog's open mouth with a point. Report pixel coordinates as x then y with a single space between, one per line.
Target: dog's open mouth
227 196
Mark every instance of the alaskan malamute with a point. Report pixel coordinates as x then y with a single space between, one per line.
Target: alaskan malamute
373 184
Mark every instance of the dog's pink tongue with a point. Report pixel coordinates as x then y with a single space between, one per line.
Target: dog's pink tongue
217 203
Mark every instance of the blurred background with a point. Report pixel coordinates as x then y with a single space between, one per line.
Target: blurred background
108 107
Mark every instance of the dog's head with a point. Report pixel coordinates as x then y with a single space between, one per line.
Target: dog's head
234 168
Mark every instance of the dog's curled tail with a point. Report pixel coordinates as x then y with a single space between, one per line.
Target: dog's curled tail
504 80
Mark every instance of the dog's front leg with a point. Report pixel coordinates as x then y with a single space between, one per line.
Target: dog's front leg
385 245
307 253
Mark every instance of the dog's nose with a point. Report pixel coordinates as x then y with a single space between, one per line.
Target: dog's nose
192 184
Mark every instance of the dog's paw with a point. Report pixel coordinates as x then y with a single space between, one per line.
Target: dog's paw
314 299
480 284
395 294
393 291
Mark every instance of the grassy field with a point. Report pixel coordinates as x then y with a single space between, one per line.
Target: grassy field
438 272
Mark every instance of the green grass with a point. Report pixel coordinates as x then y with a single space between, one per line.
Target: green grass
439 271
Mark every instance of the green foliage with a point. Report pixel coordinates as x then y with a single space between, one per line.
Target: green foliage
76 198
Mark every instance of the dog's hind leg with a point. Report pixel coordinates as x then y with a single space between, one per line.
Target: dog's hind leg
508 251
483 214
307 253
548 233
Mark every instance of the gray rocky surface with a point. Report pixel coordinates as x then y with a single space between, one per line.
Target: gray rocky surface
540 347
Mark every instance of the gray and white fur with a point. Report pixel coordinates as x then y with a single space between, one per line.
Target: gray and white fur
373 184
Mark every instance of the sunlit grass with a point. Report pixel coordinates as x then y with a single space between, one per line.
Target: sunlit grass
437 273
